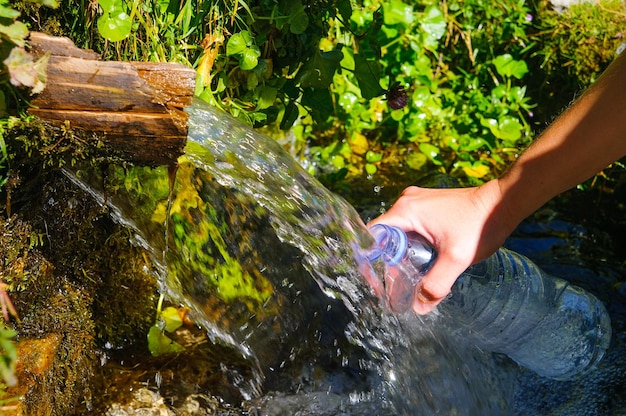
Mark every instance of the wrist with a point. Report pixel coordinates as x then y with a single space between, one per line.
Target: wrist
501 215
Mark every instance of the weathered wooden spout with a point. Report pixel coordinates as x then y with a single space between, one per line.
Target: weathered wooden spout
134 108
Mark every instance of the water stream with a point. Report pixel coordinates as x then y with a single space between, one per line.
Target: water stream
269 262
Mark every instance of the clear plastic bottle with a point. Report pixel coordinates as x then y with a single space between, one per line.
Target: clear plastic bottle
507 304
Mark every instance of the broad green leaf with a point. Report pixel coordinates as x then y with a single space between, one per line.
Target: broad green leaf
506 127
318 71
171 318
53 4
345 10
431 152
319 101
242 45
416 161
115 23
398 12
338 161
238 43
475 144
434 26
298 22
267 96
159 343
373 157
8 12
510 128
509 67
367 73
370 169
249 58
517 94
290 116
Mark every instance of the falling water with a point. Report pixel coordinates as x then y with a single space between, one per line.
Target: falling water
270 262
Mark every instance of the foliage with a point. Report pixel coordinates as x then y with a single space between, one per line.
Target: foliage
329 79
168 320
18 69
8 355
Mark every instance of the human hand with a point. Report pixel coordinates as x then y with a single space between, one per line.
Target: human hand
462 224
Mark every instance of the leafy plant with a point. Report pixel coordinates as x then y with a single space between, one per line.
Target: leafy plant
351 86
115 23
8 355
168 321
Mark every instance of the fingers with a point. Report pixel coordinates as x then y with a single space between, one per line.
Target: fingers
436 285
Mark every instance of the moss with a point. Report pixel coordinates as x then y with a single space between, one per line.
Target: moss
35 142
22 262
73 273
572 48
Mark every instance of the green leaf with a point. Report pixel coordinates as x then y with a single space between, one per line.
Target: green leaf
319 101
367 74
318 72
171 318
298 22
434 26
290 116
8 12
370 169
431 152
338 161
115 23
345 10
242 45
159 343
506 127
249 58
53 4
416 161
509 67
373 157
267 96
398 12
510 128
238 43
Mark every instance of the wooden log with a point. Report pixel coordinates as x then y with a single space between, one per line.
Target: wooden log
134 108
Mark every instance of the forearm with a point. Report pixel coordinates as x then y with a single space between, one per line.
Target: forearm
590 135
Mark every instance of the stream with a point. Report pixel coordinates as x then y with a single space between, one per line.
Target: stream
269 263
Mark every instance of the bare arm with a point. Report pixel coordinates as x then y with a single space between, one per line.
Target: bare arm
467 225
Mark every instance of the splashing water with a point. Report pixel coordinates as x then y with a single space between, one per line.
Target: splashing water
270 262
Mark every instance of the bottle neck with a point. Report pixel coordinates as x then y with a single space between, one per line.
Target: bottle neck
390 244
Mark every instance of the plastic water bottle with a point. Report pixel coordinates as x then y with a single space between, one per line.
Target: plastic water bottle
408 257
506 304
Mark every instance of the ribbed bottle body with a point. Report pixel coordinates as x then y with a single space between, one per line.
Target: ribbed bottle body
507 304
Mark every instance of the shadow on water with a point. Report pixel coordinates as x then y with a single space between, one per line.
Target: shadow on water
268 261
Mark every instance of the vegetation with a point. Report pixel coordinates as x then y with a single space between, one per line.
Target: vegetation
352 87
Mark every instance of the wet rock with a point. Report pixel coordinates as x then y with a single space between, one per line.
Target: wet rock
34 369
